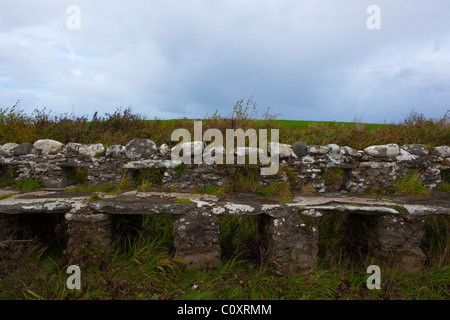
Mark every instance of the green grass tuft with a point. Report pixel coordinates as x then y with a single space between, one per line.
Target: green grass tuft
410 185
28 184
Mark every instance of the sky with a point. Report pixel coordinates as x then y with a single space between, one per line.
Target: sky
324 60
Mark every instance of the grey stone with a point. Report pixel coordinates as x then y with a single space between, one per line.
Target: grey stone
405 156
442 151
196 147
284 150
71 149
7 149
300 149
197 239
91 150
246 151
115 151
416 149
335 152
22 149
164 149
387 150
141 149
48 146
291 241
319 150
352 152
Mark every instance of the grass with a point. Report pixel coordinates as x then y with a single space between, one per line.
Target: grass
183 200
77 175
332 174
95 197
143 267
28 184
400 209
213 190
279 188
410 185
124 125
108 188
178 169
6 196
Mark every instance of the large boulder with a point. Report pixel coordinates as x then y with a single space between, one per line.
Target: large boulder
385 150
48 146
22 149
141 149
7 149
300 149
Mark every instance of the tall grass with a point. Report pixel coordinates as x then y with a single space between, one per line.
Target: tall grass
124 125
143 267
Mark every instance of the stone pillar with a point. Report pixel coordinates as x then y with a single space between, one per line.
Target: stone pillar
398 240
291 240
89 235
197 239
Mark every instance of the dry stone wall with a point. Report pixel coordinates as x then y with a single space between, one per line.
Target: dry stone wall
328 168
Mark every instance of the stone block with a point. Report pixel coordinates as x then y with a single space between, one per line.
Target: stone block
197 239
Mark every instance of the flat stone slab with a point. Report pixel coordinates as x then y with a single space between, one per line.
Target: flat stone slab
143 203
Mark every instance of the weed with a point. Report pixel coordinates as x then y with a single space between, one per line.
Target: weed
178 169
126 183
210 190
183 200
279 188
400 209
286 199
77 175
6 196
410 185
28 184
332 174
308 189
374 192
95 197
444 187
98 155
6 182
13 171
243 179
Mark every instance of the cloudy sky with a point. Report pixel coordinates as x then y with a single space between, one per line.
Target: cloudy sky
303 59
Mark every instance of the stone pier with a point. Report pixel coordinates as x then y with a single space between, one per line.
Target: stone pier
197 239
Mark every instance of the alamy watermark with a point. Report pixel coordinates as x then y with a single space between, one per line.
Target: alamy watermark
374 281
73 21
73 281
258 147
374 20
